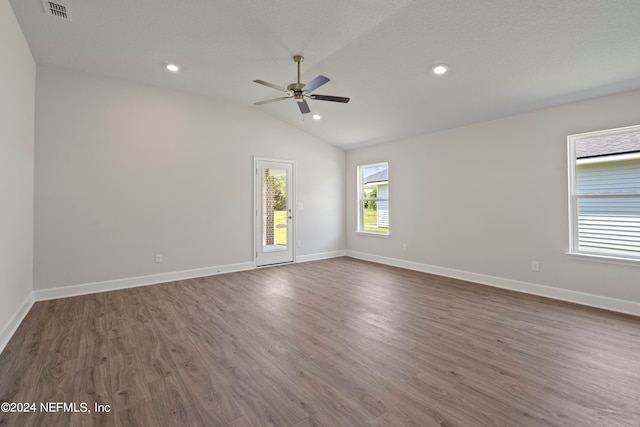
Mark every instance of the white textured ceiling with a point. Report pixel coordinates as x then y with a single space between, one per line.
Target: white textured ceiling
505 56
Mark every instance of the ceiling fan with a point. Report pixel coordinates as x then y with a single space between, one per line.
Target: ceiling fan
300 91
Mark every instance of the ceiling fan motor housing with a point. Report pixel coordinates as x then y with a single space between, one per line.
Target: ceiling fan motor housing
296 88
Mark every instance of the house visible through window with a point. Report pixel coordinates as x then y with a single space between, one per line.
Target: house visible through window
373 198
604 184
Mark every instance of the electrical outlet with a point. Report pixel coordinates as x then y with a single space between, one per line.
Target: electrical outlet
404 246
158 258
535 265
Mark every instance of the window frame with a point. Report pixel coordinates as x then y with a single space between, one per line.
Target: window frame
573 194
361 200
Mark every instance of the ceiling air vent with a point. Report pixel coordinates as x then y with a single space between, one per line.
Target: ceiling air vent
56 8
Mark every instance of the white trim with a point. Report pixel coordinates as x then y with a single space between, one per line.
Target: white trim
613 304
15 321
321 255
598 301
374 234
583 256
573 200
606 132
132 282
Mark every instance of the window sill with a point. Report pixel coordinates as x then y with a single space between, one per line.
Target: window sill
373 234
604 258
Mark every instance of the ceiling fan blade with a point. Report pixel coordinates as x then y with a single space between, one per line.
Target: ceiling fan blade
271 85
271 100
315 84
304 107
330 98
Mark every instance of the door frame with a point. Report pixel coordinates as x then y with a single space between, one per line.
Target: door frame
257 201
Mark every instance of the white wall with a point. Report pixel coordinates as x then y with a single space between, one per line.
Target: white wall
125 171
17 87
490 198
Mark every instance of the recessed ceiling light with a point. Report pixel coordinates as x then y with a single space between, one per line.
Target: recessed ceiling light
440 69
173 67
316 116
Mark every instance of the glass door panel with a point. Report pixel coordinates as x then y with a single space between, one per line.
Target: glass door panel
274 217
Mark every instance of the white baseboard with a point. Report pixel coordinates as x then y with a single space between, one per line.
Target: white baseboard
132 282
321 255
15 320
592 300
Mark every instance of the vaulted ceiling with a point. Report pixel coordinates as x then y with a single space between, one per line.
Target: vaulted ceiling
504 56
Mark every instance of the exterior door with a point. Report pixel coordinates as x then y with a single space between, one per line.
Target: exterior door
273 212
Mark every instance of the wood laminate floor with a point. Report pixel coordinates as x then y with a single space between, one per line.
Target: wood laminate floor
340 342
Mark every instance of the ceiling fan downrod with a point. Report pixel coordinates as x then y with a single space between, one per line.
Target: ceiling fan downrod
298 59
297 87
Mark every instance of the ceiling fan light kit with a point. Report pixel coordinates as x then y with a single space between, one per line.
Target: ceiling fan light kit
299 91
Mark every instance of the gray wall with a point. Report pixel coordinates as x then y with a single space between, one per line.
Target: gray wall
17 87
125 171
492 197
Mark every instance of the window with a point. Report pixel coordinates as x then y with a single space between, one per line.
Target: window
604 190
373 198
